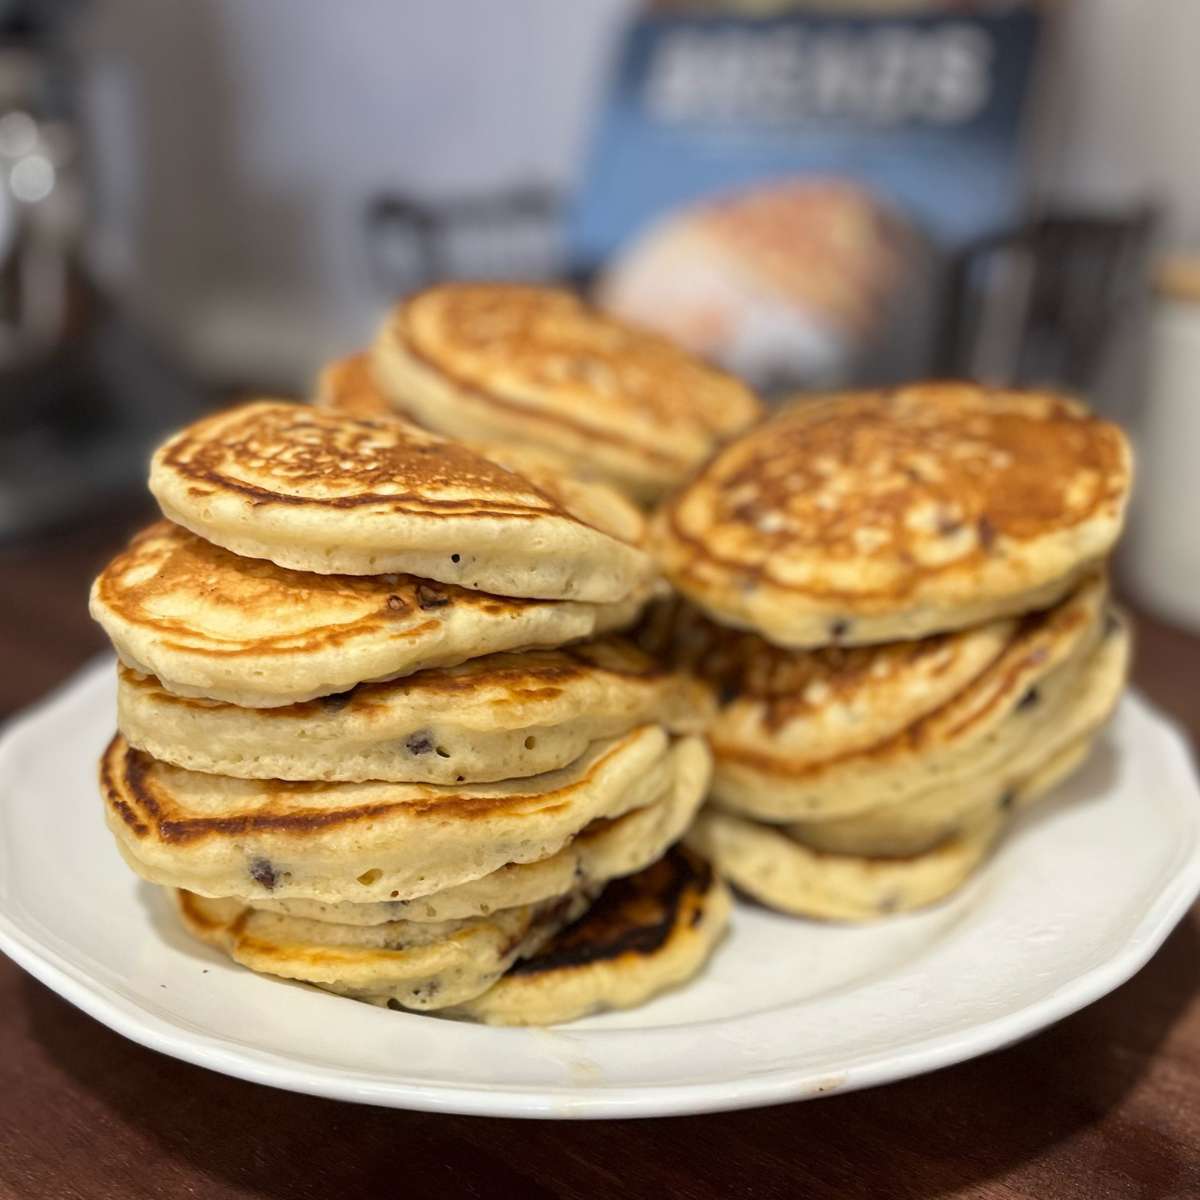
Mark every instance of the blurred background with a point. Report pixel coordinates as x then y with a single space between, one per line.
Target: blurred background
205 197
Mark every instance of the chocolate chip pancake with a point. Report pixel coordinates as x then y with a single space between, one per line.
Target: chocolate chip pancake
646 933
348 386
316 490
503 716
608 848
400 964
529 365
821 735
209 623
1059 724
877 516
261 839
765 863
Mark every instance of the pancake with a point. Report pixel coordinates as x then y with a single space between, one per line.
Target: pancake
879 516
348 386
258 839
315 490
536 366
504 716
824 734
647 933
1073 704
401 964
209 623
776 870
608 848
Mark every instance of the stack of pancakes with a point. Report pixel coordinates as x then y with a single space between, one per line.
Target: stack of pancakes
901 601
537 368
376 731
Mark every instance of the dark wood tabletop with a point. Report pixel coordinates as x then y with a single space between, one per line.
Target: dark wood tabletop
1105 1104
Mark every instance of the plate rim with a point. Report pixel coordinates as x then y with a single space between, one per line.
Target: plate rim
1177 892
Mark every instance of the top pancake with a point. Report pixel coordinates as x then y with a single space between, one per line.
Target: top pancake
320 491
528 365
876 516
210 623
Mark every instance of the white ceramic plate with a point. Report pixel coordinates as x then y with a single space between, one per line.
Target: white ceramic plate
1075 901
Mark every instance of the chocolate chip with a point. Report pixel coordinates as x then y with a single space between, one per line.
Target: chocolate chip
419 743
395 1005
987 533
1029 700
262 872
1005 803
838 629
396 604
429 596
456 558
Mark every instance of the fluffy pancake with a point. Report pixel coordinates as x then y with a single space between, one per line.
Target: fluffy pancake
317 490
529 365
828 733
646 933
209 623
1011 769
765 863
877 516
348 386
608 848
400 964
259 839
504 716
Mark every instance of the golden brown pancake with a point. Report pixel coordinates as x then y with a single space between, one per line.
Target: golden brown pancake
529 365
878 516
503 716
398 964
646 933
348 385
823 734
315 490
209 623
219 836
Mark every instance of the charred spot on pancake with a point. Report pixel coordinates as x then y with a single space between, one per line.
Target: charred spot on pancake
635 914
262 872
1007 800
396 604
419 743
987 532
1029 700
839 629
429 596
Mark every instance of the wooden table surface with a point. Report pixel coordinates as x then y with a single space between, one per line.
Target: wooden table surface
1105 1104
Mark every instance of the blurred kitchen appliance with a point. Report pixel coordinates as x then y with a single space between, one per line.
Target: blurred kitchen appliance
82 396
512 234
1057 301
